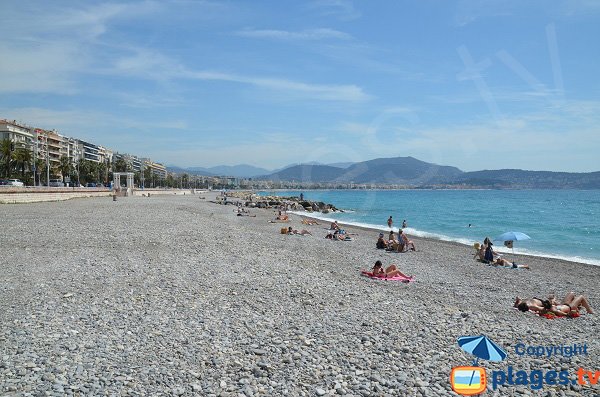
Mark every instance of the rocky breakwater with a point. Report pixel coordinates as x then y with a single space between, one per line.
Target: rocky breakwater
292 203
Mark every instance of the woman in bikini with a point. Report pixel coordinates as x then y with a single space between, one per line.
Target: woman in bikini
390 271
540 306
571 304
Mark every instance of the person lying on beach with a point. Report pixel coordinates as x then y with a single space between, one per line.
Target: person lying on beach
310 222
381 242
302 232
569 306
339 235
408 244
390 271
570 303
282 217
540 306
505 263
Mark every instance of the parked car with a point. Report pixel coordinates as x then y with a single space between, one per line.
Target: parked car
56 183
3 182
15 182
90 184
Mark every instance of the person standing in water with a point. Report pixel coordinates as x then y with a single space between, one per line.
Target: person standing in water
390 222
404 224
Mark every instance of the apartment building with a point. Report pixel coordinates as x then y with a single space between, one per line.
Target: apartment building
157 169
19 134
51 146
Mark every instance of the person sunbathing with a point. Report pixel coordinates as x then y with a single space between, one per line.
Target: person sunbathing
505 263
390 271
309 222
381 243
334 226
302 232
406 242
571 303
282 217
540 306
341 235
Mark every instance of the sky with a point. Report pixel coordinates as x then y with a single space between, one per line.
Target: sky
484 84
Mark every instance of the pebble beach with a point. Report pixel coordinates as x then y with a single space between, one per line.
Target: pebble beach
176 295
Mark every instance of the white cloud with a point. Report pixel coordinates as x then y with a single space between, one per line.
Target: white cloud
153 65
310 34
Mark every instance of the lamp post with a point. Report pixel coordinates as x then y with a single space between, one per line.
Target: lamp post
47 162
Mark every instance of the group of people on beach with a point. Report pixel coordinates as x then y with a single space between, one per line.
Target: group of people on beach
568 307
400 244
336 233
485 253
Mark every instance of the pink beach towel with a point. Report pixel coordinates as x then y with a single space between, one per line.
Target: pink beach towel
382 277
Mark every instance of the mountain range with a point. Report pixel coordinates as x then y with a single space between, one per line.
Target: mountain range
406 171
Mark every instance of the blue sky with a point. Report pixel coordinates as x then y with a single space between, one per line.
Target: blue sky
473 84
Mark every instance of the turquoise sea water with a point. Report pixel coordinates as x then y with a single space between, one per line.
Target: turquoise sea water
561 223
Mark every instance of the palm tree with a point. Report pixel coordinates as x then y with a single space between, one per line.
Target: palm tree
121 166
65 167
40 164
6 155
101 168
22 158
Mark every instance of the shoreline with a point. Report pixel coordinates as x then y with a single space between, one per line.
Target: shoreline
452 242
446 239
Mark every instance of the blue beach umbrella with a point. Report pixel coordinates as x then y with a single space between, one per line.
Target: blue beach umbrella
512 236
509 237
481 347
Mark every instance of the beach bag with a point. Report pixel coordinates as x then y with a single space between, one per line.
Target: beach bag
284 230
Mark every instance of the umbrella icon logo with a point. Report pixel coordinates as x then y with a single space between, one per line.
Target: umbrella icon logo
471 380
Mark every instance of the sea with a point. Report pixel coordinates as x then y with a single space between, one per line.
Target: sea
562 224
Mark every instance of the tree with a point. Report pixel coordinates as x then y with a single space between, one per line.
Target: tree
121 166
6 155
102 169
65 167
40 164
22 158
147 176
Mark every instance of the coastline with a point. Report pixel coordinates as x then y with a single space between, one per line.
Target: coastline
500 249
542 247
194 300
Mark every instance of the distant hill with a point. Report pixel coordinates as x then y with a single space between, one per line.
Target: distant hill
191 171
341 165
514 178
406 171
239 171
306 173
398 170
